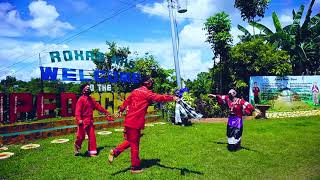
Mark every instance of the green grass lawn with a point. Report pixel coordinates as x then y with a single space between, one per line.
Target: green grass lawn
273 149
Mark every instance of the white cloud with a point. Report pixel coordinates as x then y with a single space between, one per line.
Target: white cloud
192 60
7 27
193 35
192 64
196 9
13 50
285 19
18 58
44 20
42 13
156 9
201 9
161 49
13 18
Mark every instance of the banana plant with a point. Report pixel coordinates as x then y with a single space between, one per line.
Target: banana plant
301 40
247 35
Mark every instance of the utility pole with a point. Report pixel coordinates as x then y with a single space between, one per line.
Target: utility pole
174 34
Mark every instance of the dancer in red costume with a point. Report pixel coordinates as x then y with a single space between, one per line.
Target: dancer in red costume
136 105
235 125
84 117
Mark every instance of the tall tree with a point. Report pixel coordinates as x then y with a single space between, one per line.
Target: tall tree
250 9
10 84
218 36
257 58
114 52
201 85
164 78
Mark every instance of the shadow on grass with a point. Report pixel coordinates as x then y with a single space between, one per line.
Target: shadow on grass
242 147
148 163
99 149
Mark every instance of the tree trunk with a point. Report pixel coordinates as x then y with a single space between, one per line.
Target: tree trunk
220 79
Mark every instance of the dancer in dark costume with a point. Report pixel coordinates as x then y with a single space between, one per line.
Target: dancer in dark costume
235 124
183 111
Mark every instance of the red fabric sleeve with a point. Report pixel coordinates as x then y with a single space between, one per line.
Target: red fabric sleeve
78 110
125 103
159 97
98 107
247 107
222 99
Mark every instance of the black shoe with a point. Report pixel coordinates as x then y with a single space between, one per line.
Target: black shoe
231 147
238 146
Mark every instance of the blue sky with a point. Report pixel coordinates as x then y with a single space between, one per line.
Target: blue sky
30 27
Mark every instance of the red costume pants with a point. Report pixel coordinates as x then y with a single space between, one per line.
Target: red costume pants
132 140
81 134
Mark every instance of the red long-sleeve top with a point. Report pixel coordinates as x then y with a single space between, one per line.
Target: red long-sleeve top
255 91
237 106
137 104
84 109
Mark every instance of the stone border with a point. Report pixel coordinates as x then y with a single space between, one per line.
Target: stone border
292 114
268 114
